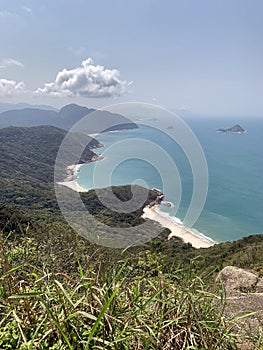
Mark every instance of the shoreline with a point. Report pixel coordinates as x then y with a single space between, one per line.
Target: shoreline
70 180
149 212
188 236
73 185
71 172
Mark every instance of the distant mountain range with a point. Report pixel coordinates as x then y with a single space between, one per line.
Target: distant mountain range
9 106
65 118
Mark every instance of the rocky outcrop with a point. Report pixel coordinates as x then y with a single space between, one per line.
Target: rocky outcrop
244 297
155 197
237 279
88 155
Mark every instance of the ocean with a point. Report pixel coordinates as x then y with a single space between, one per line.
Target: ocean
234 203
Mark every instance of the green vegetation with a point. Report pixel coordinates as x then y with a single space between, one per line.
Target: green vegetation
27 159
132 304
58 291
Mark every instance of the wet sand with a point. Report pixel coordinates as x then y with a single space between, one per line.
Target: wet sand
177 230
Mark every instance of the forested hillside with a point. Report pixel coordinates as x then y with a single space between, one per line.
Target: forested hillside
58 291
27 165
27 159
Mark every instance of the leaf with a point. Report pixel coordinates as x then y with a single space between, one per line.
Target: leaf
101 314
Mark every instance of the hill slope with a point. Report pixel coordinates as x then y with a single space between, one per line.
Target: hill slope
27 159
57 284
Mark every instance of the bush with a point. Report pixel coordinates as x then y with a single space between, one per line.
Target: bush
133 305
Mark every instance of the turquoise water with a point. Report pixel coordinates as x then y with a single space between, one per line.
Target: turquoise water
234 204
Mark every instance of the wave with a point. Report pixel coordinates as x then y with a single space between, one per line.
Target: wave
168 204
179 222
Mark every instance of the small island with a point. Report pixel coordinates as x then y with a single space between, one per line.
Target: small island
236 129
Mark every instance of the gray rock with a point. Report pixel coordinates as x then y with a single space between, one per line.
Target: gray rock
259 286
237 279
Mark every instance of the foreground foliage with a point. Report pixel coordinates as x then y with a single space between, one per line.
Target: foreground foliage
132 304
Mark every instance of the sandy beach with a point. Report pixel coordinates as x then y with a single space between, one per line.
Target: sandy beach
149 213
177 230
71 179
73 185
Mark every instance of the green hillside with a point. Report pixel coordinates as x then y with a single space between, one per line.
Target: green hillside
27 159
58 291
27 165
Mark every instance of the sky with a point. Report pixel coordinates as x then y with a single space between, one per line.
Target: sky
204 56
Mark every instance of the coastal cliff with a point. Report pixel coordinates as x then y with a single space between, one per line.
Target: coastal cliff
155 197
89 156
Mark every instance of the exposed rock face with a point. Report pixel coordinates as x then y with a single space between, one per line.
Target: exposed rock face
244 297
88 155
156 197
259 285
240 280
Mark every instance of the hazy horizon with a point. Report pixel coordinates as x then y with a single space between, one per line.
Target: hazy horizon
184 114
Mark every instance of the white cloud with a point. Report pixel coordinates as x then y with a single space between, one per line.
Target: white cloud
10 62
7 15
26 9
88 80
9 88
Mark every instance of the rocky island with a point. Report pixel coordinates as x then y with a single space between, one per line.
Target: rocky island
236 129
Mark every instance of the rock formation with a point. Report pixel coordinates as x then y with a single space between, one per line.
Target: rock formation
240 280
236 129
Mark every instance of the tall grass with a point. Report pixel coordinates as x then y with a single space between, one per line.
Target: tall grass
128 306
